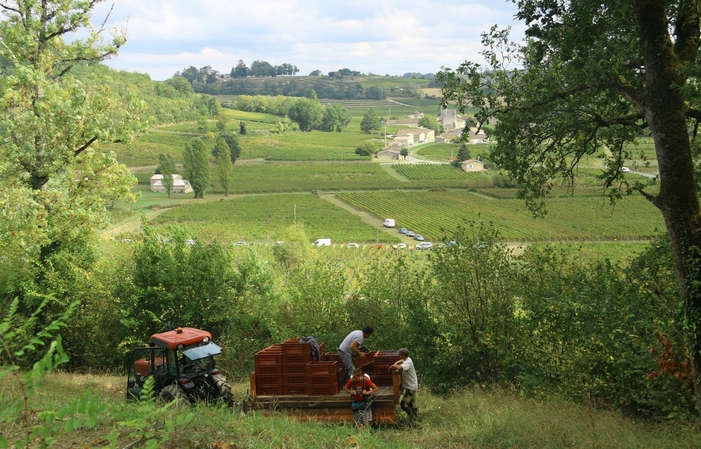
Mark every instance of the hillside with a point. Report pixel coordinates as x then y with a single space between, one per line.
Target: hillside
346 88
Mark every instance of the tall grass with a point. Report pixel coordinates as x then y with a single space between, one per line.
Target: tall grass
471 418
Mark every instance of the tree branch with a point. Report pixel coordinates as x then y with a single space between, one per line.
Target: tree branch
85 146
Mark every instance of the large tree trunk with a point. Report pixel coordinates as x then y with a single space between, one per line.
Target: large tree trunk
678 200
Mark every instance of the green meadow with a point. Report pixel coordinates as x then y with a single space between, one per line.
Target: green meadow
262 218
437 214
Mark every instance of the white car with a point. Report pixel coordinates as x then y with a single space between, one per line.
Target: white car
625 169
399 246
190 242
353 245
424 245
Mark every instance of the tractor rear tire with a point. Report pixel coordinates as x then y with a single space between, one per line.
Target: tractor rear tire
171 393
224 390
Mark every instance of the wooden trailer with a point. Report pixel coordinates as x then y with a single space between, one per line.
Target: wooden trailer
286 378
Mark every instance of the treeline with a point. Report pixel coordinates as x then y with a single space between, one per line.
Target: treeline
170 101
326 88
475 314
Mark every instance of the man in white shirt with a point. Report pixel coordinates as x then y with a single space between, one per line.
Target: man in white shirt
410 383
350 348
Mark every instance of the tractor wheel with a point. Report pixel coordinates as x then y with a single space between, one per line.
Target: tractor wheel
224 390
171 393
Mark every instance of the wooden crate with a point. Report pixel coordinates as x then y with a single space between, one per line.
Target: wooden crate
332 356
266 384
327 367
319 389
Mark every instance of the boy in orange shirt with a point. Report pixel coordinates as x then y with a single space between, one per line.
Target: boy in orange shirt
360 387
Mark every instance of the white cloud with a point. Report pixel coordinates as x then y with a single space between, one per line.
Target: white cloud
392 36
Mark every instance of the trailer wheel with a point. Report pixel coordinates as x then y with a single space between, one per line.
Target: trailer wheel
173 392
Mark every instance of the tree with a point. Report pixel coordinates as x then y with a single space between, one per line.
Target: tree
431 122
54 185
181 85
196 165
166 167
464 152
240 71
370 122
243 130
365 148
262 68
233 143
191 74
334 118
404 152
306 113
225 167
222 122
592 80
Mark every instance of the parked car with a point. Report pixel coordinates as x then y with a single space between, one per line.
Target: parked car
424 245
419 237
240 244
190 242
389 223
625 169
410 233
322 242
403 230
353 245
399 246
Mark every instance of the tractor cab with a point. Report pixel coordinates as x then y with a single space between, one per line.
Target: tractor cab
182 364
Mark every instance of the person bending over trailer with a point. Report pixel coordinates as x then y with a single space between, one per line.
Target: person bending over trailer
361 388
350 348
410 383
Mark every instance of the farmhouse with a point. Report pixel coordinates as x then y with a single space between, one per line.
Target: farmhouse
471 165
390 153
418 135
180 185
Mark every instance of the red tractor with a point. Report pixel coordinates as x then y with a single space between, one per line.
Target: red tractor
182 364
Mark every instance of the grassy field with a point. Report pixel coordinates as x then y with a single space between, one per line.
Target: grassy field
470 418
443 152
435 214
260 218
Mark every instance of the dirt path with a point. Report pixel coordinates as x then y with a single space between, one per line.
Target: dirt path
368 218
132 225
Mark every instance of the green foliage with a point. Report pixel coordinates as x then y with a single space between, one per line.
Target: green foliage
431 122
370 123
196 166
335 118
54 185
152 424
166 167
306 113
474 302
28 340
243 129
589 331
365 148
464 152
224 165
177 283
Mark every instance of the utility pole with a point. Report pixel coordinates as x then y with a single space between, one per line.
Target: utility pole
384 122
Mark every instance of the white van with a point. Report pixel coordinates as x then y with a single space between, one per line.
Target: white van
389 223
322 242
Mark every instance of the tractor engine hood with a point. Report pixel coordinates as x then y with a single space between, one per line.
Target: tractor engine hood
201 352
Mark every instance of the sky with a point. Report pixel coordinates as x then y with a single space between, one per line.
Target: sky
383 37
